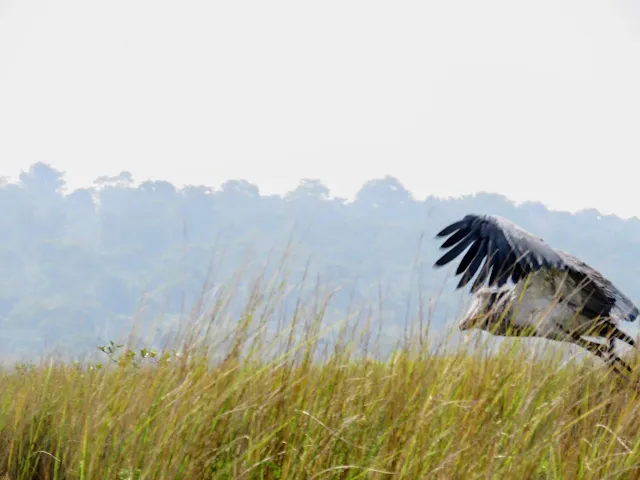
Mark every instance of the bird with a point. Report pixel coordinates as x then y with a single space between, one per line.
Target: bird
527 288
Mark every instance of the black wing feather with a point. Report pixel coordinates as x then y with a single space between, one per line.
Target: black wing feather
455 238
479 251
451 228
455 251
484 272
469 256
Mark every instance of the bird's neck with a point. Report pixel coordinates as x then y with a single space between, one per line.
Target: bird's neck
499 322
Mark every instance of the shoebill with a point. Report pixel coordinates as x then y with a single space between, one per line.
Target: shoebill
527 288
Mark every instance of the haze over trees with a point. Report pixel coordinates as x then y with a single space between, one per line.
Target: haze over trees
79 267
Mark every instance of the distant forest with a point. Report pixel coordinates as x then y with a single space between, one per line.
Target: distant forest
79 267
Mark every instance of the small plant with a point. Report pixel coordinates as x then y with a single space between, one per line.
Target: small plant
111 349
133 358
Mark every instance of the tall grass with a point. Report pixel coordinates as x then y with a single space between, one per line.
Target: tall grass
234 397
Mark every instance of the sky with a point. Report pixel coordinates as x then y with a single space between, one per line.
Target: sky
533 100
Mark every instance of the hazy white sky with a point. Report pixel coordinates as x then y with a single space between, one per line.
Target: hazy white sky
535 100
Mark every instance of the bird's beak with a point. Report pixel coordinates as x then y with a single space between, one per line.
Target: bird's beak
469 322
466 323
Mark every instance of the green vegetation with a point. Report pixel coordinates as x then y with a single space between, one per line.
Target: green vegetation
283 403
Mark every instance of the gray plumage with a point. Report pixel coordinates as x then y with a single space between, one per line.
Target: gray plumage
525 287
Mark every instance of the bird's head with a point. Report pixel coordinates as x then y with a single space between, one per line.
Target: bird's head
476 315
484 307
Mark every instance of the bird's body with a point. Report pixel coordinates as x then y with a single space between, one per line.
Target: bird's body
537 309
527 288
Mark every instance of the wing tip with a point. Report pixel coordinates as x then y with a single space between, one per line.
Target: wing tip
625 310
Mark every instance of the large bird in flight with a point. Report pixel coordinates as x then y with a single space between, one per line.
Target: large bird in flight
527 288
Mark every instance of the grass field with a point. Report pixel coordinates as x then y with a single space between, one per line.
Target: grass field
287 406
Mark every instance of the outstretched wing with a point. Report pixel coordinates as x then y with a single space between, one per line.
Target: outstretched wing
506 249
501 250
621 306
